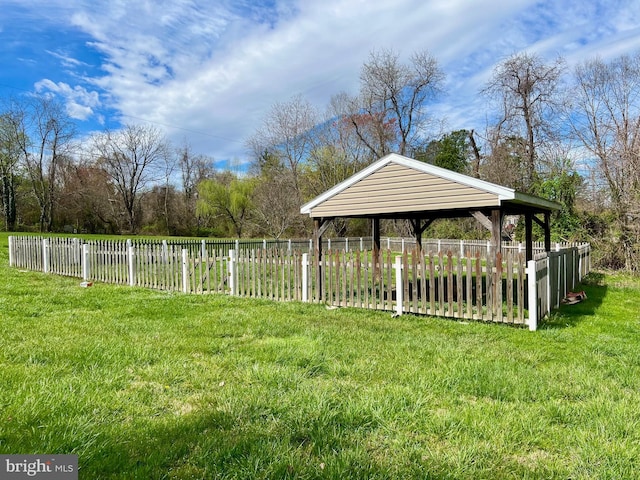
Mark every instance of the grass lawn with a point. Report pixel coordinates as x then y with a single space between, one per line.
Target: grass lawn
150 385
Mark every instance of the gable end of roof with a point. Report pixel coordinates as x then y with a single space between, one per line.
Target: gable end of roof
503 193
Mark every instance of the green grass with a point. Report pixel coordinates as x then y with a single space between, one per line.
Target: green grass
149 385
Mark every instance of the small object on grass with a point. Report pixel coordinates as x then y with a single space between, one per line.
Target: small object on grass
574 297
86 284
570 302
578 295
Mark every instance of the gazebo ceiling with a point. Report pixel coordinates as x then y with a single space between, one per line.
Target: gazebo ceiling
399 187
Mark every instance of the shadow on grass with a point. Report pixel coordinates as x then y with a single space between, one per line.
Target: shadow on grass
571 315
231 445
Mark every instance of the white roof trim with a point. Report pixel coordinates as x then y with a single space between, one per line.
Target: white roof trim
526 199
503 193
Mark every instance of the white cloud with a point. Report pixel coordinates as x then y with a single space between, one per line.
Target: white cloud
224 83
79 102
217 67
66 60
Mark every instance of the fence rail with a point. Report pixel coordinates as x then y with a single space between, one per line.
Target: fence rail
439 284
446 278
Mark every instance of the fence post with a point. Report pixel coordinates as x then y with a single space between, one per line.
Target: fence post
346 244
76 250
579 260
361 244
165 252
185 270
571 259
289 246
232 271
11 245
85 262
45 255
131 257
399 286
533 295
203 249
548 260
305 277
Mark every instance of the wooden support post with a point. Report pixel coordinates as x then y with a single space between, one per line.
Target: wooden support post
528 234
482 219
418 230
417 233
317 250
547 231
320 226
375 234
496 230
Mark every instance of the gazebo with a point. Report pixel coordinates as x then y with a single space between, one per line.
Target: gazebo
398 187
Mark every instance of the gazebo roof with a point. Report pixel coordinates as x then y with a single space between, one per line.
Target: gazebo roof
398 186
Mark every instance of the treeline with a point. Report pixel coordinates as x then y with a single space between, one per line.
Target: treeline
569 135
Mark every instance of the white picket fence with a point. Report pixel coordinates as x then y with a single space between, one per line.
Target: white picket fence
460 282
552 275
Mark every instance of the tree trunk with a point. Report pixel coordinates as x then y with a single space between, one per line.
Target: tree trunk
9 202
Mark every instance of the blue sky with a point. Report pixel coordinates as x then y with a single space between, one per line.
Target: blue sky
208 71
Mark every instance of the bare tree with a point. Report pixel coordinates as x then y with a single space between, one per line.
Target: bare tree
606 120
507 164
340 133
527 93
193 168
10 154
133 158
84 196
276 211
167 193
42 132
477 157
393 100
338 152
280 148
286 135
